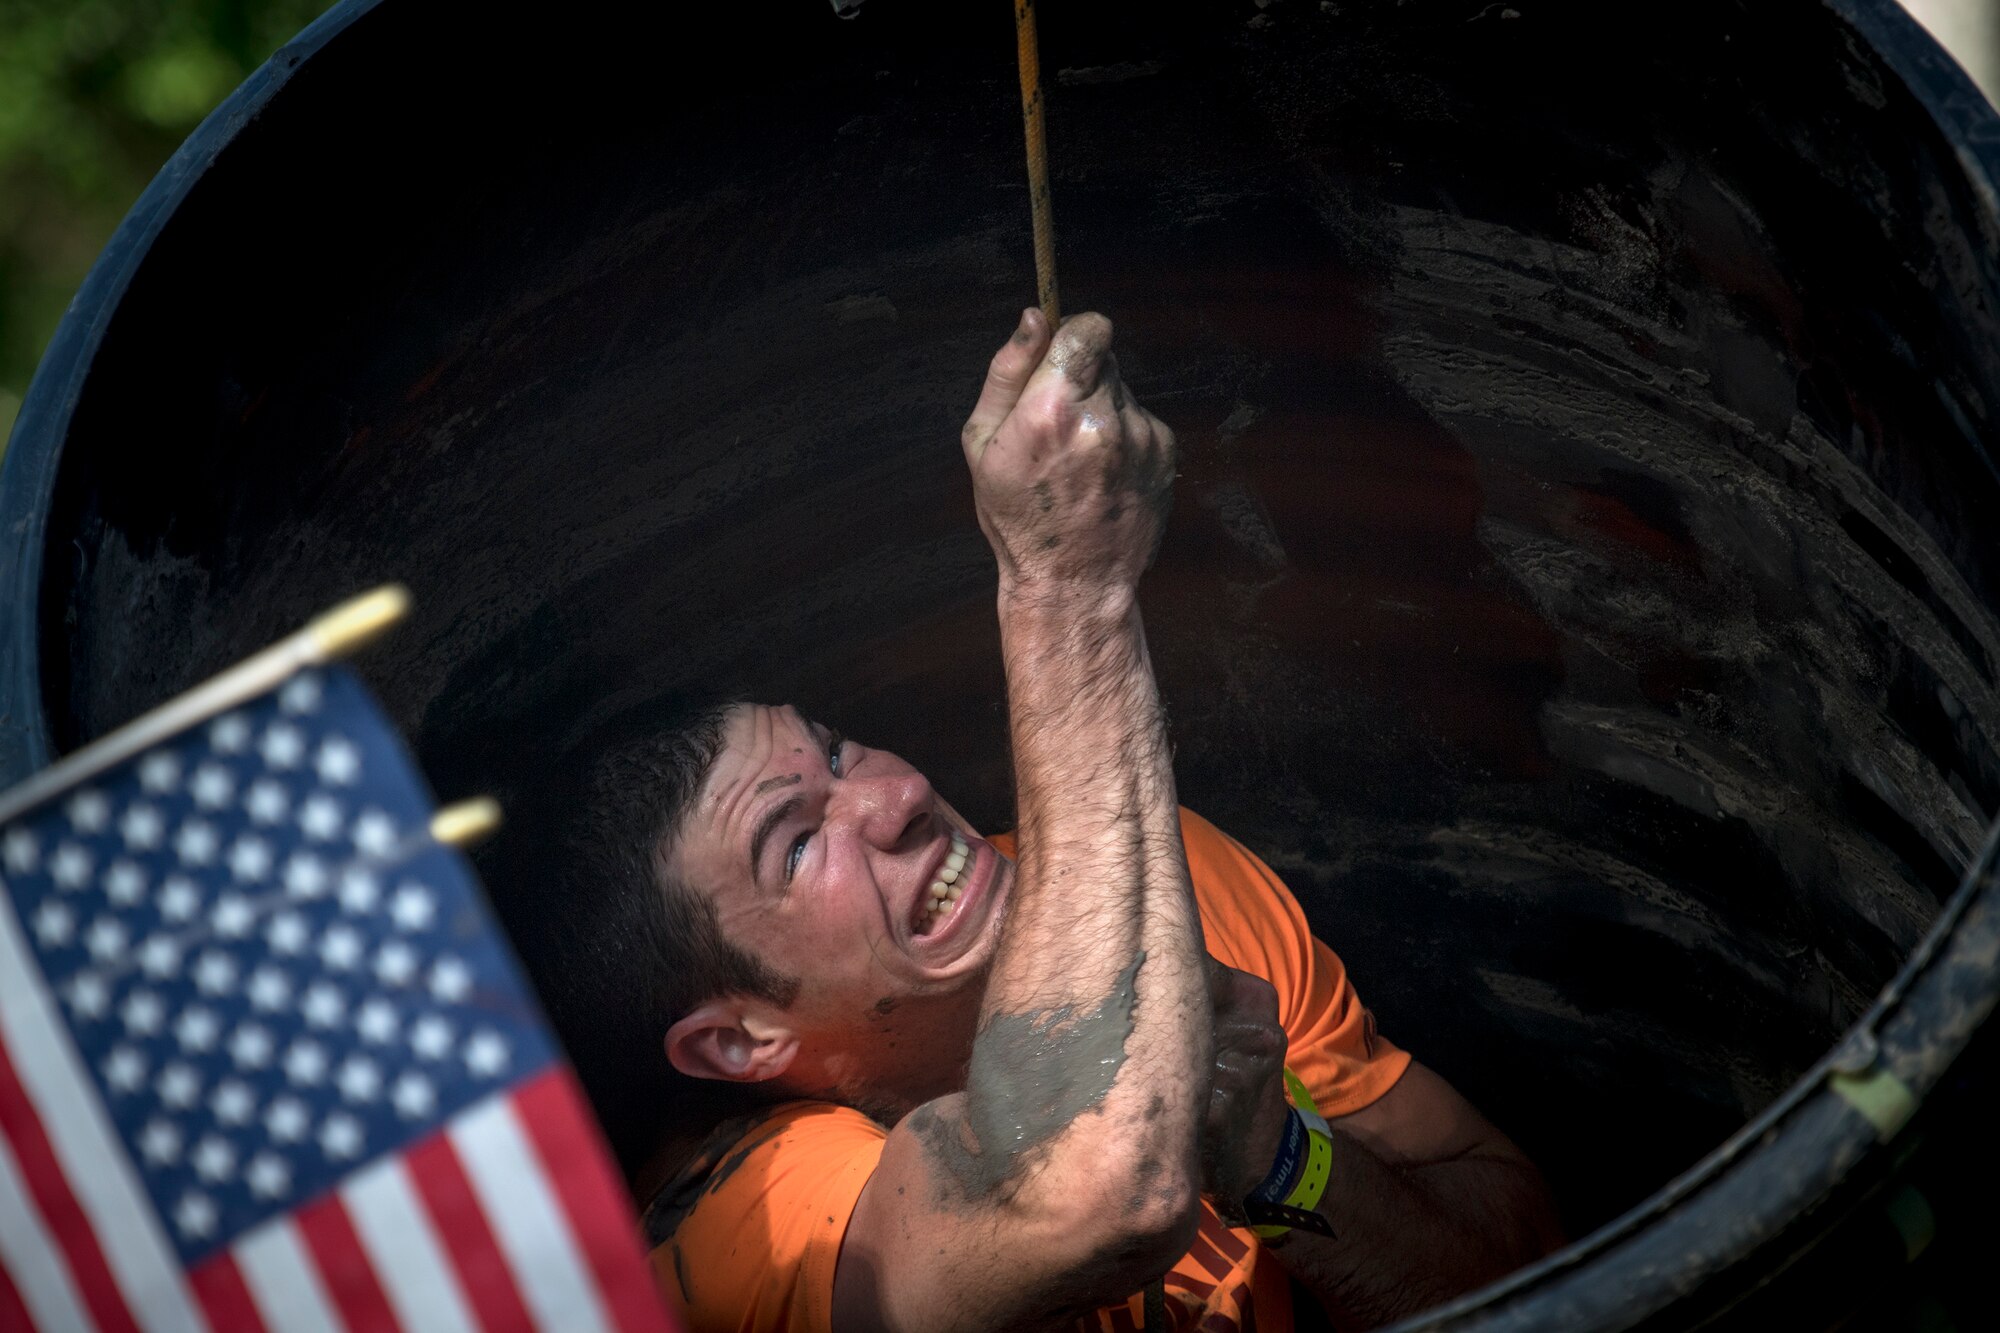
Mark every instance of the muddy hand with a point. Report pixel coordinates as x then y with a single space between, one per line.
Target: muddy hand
1072 478
1246 1101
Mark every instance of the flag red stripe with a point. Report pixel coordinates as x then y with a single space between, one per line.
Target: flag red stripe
13 1310
483 1273
344 1266
224 1296
61 1214
600 1212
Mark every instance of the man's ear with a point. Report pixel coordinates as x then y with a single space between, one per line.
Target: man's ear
722 1040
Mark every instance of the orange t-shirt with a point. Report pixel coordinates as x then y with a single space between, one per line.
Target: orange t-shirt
757 1250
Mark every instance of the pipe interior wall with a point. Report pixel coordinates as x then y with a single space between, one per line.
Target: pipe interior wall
1576 590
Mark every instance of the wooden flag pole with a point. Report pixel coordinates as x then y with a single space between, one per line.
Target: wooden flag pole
337 633
466 823
1028 52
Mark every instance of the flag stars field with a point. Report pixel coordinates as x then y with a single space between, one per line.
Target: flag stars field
374 834
395 964
70 867
268 1176
288 1120
301 694
88 811
359 1080
212 786
196 843
486 1054
323 1005
288 934
340 948
431 1037
180 899
125 883
338 762
376 1022
160 772
213 1159
88 995
251 1046
451 979
320 818
283 746
215 972
160 1142
340 1136
360 890
54 924
305 875
233 1103
413 1096
125 1069
267 802
21 852
413 908
195 1214
237 939
250 858
197 1029
141 828
269 989
229 734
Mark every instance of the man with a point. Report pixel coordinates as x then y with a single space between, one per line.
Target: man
869 1072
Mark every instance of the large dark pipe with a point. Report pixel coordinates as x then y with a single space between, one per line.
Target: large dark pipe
1579 588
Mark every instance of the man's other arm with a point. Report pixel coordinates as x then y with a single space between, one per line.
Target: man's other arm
1066 1174
1428 1200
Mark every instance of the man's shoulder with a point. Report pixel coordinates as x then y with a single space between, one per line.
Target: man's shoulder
759 1162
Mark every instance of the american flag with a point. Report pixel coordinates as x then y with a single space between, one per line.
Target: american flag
266 1063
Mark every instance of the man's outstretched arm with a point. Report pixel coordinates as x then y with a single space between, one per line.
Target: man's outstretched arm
1066 1174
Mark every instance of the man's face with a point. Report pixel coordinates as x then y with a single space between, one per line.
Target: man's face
821 856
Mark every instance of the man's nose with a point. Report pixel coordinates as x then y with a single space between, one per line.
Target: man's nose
891 809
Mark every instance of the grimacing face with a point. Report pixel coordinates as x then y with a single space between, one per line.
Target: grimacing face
824 859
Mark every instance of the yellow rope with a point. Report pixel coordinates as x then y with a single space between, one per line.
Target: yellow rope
1038 160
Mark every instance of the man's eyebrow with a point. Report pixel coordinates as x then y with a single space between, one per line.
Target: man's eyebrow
772 784
773 817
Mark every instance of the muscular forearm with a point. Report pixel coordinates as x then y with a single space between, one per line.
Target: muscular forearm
1102 943
1408 1237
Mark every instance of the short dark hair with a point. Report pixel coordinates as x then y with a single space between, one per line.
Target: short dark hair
620 948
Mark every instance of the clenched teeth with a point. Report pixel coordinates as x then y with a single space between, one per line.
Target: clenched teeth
945 889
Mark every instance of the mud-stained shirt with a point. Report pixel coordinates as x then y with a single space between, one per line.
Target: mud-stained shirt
756 1250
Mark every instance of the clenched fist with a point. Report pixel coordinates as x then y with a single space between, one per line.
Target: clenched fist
1072 478
1246 1098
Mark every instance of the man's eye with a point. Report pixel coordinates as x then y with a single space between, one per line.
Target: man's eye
833 746
792 857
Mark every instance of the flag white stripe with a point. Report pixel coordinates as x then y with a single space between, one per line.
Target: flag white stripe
88 1149
283 1281
30 1256
527 1218
396 1233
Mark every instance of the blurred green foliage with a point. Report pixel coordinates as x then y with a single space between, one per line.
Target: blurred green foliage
94 96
